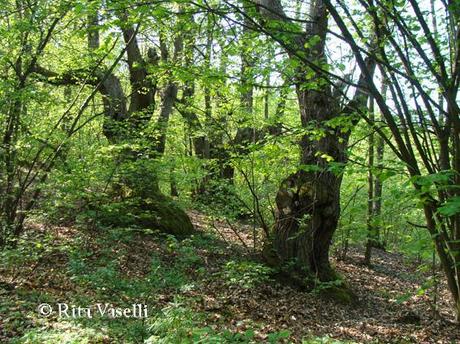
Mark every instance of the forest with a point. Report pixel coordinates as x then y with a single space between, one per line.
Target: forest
229 171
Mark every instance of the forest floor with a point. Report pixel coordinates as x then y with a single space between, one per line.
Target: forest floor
210 288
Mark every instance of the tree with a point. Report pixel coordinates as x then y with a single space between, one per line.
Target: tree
420 62
23 171
308 201
375 186
126 118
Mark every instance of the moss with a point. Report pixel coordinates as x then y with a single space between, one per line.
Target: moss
334 288
166 215
340 293
156 212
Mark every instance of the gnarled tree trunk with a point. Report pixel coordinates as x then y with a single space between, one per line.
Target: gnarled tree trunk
123 123
308 202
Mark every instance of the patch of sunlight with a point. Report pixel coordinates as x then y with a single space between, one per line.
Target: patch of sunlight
62 333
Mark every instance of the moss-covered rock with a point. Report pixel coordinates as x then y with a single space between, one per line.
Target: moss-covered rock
157 212
164 214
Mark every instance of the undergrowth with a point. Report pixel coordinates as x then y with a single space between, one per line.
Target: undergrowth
121 267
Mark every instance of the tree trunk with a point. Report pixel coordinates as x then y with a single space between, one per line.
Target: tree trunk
146 206
308 210
375 187
308 202
370 190
378 191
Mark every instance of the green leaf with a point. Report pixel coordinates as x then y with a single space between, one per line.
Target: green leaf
450 207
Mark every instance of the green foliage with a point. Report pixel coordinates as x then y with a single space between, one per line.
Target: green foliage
177 323
324 340
320 286
450 207
173 325
246 274
399 205
221 199
96 271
